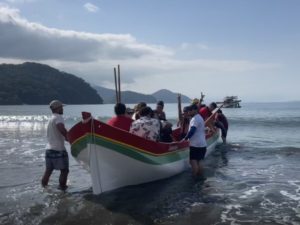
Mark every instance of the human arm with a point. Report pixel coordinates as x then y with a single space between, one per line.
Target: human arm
201 98
62 130
190 133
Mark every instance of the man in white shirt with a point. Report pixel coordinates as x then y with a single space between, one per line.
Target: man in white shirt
56 154
196 136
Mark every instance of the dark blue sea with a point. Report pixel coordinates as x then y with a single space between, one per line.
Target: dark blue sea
253 179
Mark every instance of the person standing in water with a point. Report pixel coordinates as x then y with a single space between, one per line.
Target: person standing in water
196 137
222 123
56 154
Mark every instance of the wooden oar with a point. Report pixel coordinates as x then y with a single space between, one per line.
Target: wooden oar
179 107
116 86
119 83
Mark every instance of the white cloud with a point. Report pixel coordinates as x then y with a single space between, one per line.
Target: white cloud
90 7
23 39
145 68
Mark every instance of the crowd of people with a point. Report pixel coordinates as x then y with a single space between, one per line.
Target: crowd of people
143 121
153 124
195 121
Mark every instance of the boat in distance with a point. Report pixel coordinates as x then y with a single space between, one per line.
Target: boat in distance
231 102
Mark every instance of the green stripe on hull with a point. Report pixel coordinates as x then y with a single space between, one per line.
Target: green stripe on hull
81 144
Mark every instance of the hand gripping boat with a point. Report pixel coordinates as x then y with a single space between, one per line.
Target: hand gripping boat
117 158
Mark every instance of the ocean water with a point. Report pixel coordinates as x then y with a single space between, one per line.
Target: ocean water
254 179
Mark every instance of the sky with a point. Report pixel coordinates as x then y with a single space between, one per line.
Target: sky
248 48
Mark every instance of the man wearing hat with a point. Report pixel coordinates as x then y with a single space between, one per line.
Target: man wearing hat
196 137
56 154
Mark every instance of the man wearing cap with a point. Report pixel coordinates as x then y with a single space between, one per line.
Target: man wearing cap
196 136
206 111
56 154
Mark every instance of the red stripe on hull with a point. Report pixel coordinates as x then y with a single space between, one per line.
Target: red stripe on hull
99 128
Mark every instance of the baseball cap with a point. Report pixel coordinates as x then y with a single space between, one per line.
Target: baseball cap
195 101
56 104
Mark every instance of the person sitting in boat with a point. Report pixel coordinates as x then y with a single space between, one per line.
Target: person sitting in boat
195 101
166 132
129 112
137 108
222 123
198 102
159 111
120 120
146 126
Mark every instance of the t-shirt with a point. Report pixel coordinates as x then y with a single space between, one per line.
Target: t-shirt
146 127
205 113
121 121
56 141
198 139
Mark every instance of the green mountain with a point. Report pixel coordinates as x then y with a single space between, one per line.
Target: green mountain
37 84
130 97
127 97
134 97
169 96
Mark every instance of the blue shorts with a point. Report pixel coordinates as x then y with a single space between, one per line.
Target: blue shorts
57 160
197 153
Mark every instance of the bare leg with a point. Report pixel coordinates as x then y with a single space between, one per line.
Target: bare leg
200 169
46 177
195 167
224 139
63 178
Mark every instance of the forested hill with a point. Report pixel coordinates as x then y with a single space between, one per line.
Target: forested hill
38 84
108 96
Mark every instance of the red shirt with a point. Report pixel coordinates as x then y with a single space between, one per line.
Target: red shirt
122 122
205 113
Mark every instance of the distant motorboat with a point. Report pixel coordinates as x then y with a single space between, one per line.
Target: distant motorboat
231 102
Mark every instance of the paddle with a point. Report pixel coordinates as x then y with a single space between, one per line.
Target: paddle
179 107
117 84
